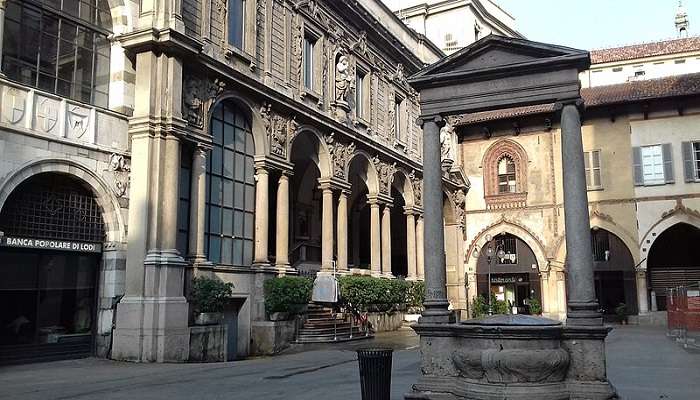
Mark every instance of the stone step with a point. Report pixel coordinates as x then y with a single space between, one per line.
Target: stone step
331 339
329 331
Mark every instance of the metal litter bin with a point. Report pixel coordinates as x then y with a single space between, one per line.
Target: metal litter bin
375 373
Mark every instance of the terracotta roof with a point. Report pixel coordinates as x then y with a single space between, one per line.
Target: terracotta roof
672 86
629 92
666 47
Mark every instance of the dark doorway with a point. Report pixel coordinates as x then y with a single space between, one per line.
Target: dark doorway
614 274
672 261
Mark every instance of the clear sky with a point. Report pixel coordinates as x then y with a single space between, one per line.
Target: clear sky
593 24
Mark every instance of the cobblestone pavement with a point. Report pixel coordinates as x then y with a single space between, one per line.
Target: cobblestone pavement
642 363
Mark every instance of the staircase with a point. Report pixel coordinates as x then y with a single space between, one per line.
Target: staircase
322 325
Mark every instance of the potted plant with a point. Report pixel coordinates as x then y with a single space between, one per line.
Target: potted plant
621 311
208 297
535 307
286 296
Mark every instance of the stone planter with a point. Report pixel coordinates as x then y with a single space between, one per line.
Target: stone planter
210 318
279 316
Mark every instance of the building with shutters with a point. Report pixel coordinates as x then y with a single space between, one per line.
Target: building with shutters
642 151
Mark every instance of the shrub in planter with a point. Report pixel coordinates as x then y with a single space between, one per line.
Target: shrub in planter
208 297
480 307
287 294
535 307
373 294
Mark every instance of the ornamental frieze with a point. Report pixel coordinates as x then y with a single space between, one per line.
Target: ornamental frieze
417 185
340 155
119 169
280 130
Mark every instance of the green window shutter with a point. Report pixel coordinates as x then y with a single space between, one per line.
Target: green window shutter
668 162
637 166
688 163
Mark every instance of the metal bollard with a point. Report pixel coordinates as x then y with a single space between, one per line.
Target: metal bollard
375 373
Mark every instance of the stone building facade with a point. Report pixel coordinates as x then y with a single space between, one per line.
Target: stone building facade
238 139
639 139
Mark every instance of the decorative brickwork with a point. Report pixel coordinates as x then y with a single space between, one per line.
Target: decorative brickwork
494 199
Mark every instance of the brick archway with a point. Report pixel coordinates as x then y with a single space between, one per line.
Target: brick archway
505 149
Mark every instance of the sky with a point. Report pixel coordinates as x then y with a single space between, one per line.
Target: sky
594 24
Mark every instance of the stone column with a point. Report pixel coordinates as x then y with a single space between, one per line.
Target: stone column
419 248
642 295
375 239
198 212
355 239
386 241
282 237
3 4
582 304
436 304
327 229
342 233
261 216
411 252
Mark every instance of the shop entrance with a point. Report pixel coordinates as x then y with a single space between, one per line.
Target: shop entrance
50 252
514 290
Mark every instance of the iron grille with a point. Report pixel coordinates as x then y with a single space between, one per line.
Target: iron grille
53 207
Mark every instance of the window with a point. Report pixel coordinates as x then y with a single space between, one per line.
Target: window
691 161
507 243
236 22
183 210
308 60
696 159
653 165
506 175
592 162
451 43
61 48
230 189
361 92
397 119
600 244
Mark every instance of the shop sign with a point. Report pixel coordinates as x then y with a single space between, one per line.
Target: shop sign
506 279
49 244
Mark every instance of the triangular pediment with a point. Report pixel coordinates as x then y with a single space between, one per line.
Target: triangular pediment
497 52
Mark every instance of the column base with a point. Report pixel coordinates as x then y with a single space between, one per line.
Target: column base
152 329
584 314
286 269
436 312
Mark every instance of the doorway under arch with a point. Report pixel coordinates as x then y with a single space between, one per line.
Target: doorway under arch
672 261
614 274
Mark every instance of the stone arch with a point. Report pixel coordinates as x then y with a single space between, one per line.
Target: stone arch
371 177
124 14
404 186
497 151
250 109
114 222
679 215
515 229
322 157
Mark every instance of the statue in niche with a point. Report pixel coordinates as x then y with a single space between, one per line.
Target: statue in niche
446 148
342 79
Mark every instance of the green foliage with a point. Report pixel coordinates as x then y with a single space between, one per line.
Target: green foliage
287 294
376 294
535 307
500 306
621 310
480 307
415 294
209 295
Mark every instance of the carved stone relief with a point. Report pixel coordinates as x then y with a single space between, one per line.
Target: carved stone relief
417 184
280 130
14 104
119 168
197 94
340 155
385 171
513 366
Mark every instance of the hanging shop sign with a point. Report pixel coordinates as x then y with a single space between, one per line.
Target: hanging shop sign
50 244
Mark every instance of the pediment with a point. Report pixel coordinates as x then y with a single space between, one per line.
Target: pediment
497 52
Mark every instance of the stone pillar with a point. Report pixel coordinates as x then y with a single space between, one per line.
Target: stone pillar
198 195
355 239
327 229
375 239
642 295
282 237
3 4
152 316
582 304
261 216
436 304
342 233
419 248
386 241
411 252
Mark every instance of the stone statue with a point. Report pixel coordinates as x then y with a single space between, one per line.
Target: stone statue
342 79
446 148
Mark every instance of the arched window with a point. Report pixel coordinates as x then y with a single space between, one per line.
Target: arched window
506 175
230 188
60 47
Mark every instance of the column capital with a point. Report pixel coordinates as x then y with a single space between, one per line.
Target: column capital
3 3
578 103
437 119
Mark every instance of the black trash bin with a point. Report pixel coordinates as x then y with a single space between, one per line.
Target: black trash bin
375 373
